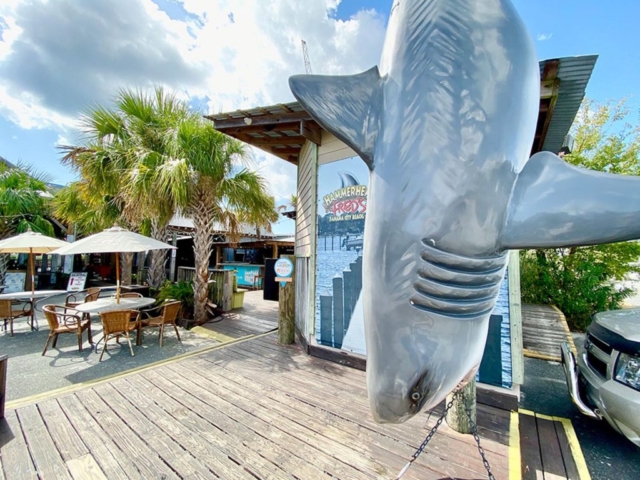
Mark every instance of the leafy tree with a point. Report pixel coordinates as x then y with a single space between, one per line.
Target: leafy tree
582 281
24 204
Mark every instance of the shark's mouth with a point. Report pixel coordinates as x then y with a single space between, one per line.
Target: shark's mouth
457 286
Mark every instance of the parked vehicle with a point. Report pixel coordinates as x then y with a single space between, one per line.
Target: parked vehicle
604 382
354 243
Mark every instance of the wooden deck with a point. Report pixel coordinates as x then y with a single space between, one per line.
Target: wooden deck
249 410
255 317
544 328
549 448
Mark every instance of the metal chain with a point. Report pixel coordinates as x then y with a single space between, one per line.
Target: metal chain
474 432
426 441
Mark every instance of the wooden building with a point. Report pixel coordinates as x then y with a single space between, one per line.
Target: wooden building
333 179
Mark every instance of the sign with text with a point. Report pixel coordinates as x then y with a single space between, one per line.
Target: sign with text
77 281
283 269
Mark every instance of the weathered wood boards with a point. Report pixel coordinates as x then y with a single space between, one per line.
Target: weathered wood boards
543 330
252 410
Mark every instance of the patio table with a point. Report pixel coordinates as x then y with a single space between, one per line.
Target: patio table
28 295
108 304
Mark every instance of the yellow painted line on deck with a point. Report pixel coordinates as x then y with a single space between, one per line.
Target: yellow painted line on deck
205 332
515 460
572 438
540 356
21 402
566 329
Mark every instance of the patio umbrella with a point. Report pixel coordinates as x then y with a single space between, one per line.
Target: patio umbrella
114 240
32 243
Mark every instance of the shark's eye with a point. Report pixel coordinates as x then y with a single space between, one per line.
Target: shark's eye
415 396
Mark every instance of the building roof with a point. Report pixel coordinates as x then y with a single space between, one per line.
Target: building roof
573 74
180 224
282 129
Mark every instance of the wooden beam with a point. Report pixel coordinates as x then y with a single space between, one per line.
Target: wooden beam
549 114
550 71
282 140
549 87
285 151
281 127
311 131
260 120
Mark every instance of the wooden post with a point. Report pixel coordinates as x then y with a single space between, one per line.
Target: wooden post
227 290
3 382
218 261
274 250
457 417
287 309
338 311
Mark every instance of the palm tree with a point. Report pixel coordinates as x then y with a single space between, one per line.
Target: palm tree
123 146
205 176
24 203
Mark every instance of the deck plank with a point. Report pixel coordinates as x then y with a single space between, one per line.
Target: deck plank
550 450
567 456
45 455
16 459
530 449
363 442
187 426
177 458
111 460
150 464
85 468
68 442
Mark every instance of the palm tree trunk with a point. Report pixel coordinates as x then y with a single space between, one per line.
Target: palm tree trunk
156 269
126 262
203 216
4 257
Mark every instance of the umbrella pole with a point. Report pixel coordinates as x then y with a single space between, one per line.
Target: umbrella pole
117 278
33 286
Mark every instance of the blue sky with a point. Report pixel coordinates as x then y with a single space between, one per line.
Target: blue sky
57 58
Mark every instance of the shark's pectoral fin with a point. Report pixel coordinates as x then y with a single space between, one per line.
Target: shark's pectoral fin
347 106
555 204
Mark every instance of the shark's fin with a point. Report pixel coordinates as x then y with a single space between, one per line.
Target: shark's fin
347 106
555 204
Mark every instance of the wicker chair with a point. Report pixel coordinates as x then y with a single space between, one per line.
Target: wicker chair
167 316
130 295
9 313
92 295
117 323
61 321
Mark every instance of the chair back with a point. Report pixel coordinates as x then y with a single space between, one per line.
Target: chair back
131 295
116 321
170 312
92 294
5 308
52 316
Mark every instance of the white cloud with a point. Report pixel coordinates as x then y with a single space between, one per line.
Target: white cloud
61 140
544 36
59 58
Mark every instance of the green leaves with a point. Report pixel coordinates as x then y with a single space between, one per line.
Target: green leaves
582 281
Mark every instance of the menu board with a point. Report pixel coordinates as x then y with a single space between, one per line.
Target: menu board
77 281
14 282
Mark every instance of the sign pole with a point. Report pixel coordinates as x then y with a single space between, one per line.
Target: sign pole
287 300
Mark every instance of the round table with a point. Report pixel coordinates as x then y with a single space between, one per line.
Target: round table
28 295
107 304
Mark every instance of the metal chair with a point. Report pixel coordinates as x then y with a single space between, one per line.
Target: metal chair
60 321
9 314
258 280
117 323
168 316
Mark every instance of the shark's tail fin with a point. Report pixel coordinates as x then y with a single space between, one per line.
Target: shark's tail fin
347 106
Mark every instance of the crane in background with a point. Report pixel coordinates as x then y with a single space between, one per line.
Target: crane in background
305 55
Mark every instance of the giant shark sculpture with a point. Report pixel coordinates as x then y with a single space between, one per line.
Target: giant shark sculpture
446 126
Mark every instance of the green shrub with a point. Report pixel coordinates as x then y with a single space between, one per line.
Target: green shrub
579 281
181 291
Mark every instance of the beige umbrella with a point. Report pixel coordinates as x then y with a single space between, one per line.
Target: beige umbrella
32 243
114 240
